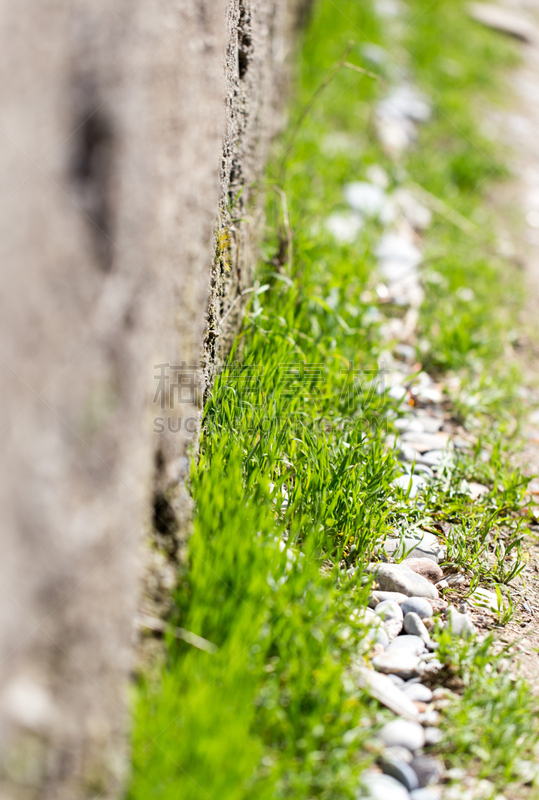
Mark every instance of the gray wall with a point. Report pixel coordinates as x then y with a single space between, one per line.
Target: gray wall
126 126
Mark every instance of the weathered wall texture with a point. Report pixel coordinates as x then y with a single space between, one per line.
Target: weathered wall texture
113 118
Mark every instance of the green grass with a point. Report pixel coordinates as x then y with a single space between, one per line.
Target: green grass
493 725
293 488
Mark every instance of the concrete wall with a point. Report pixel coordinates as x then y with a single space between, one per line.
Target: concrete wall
126 128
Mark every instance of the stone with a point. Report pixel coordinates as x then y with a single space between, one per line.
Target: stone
395 135
389 609
430 717
418 605
406 643
426 794
382 787
382 688
397 751
422 469
377 597
344 226
402 733
429 422
400 770
398 662
476 490
377 175
391 616
459 624
423 545
428 770
368 199
378 637
368 617
527 771
482 598
457 579
430 667
413 624
427 441
505 21
398 578
433 458
398 251
410 484
417 692
438 605
416 214
396 680
433 736
409 423
426 567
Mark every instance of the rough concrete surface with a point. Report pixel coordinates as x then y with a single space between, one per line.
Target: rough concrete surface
115 178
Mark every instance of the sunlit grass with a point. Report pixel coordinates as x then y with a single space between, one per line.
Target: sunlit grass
293 487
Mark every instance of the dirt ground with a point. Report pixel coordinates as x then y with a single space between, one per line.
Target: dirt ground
517 204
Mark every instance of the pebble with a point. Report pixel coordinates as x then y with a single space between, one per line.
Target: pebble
482 598
399 662
417 692
344 227
396 680
425 442
396 547
430 718
383 787
399 251
504 20
398 578
367 198
397 751
392 617
417 605
410 484
475 490
405 100
407 643
382 688
429 423
413 624
425 794
388 609
382 637
459 624
426 567
416 214
401 771
438 605
422 469
402 733
432 458
428 770
425 546
433 736
429 667
378 597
